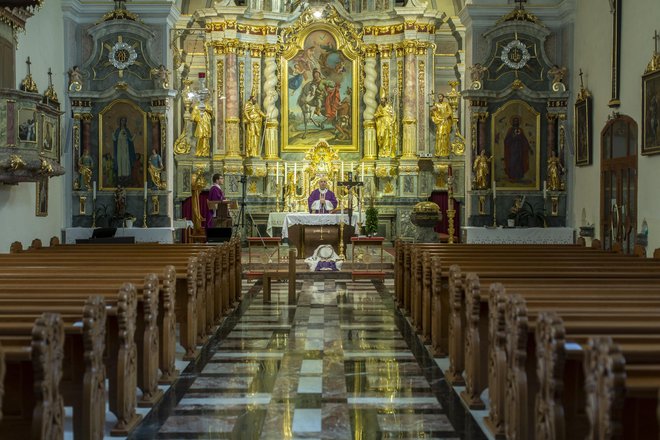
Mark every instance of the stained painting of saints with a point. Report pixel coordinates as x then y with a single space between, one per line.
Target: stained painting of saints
516 139
320 98
122 139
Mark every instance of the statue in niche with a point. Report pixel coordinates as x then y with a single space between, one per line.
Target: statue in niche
202 115
253 119
161 76
75 79
386 128
155 168
85 169
481 167
442 117
555 169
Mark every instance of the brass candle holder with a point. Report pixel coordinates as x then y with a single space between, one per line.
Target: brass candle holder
341 233
451 212
144 215
278 188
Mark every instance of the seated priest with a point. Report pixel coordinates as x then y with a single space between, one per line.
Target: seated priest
322 200
215 194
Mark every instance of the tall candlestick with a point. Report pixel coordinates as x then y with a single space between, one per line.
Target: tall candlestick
351 170
545 190
286 171
94 190
277 172
145 191
363 171
295 172
342 170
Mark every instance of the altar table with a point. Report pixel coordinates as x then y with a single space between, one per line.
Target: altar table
307 231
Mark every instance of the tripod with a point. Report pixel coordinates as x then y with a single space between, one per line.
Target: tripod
239 226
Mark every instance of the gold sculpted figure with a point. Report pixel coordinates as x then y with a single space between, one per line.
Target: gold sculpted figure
481 167
155 168
442 117
85 165
555 168
387 131
203 118
253 119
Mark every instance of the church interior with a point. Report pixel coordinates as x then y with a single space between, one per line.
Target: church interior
347 219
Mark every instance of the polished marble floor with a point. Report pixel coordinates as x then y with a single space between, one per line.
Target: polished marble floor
342 364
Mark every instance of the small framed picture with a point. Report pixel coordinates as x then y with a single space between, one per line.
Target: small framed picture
583 137
27 125
42 197
651 113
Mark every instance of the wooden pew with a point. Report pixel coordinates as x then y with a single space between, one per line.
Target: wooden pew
81 377
122 362
26 294
568 379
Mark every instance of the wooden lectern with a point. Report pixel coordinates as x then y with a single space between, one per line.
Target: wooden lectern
221 217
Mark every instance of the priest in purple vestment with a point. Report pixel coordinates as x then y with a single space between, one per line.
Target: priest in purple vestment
215 193
322 200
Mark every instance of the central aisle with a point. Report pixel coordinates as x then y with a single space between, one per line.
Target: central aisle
341 364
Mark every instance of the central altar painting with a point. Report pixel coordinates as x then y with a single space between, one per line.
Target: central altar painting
321 84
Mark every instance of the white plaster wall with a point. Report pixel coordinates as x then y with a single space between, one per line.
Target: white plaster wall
592 47
43 42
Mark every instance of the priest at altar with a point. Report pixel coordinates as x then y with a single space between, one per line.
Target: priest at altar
322 200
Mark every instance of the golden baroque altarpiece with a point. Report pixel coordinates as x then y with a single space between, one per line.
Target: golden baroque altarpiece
317 82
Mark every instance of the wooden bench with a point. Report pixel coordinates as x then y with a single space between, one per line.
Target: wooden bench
32 406
73 358
289 275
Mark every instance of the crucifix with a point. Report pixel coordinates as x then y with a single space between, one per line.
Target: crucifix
581 82
615 9
520 4
350 184
28 62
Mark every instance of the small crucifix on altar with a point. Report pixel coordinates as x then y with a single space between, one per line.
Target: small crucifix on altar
350 184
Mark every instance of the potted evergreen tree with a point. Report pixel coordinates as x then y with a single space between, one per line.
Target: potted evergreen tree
371 221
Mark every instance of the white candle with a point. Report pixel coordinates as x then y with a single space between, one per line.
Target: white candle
286 171
545 189
351 170
494 190
94 190
342 170
145 190
295 172
363 171
277 173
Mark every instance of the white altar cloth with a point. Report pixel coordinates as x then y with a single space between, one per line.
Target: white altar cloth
276 220
142 235
312 219
500 235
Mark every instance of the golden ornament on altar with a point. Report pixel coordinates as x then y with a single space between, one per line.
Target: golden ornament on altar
425 214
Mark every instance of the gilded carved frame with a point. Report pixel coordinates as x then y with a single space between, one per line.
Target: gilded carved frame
527 133
136 121
583 137
345 125
651 113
